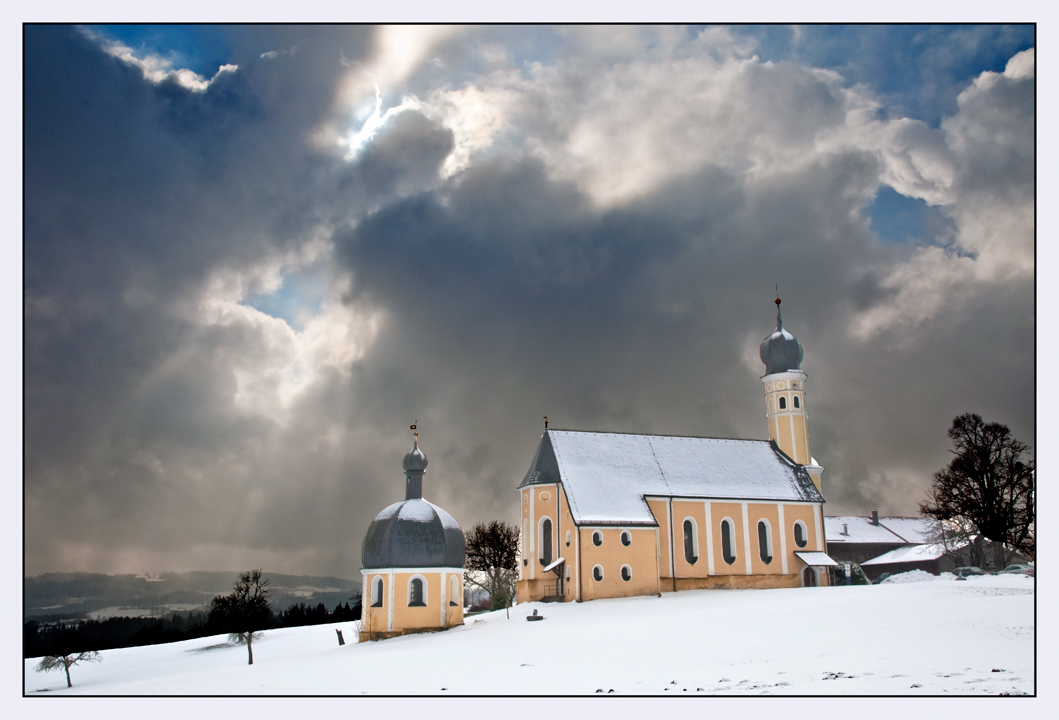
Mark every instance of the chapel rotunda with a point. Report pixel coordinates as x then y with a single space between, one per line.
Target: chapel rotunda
412 563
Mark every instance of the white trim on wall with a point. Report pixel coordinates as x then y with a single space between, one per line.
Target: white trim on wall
533 524
389 608
783 539
819 530
709 537
746 539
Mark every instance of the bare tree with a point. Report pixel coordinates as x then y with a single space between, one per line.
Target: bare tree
492 561
244 611
987 486
67 661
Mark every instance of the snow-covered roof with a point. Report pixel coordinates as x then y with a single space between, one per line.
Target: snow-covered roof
606 475
815 559
912 529
910 554
860 530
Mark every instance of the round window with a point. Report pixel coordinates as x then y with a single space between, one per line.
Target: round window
597 573
546 496
626 538
597 538
626 573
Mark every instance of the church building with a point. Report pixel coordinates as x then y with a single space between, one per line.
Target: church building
412 563
615 514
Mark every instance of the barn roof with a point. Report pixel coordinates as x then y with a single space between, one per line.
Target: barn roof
896 530
606 475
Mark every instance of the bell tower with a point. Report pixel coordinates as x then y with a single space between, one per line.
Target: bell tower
785 410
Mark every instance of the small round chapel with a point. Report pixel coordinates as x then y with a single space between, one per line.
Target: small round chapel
412 563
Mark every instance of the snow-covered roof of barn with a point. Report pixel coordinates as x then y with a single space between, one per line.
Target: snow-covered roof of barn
912 553
912 529
897 530
606 475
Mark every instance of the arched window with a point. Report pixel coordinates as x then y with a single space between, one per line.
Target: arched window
567 538
376 591
764 540
801 535
597 538
626 538
544 548
796 406
783 403
691 542
417 592
727 546
597 573
626 573
454 591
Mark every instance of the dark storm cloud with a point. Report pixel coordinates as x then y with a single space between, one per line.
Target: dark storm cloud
169 426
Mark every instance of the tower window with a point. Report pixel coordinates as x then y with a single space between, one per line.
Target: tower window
691 549
796 405
764 541
626 538
597 573
626 573
376 592
546 542
454 591
597 538
801 536
567 538
783 403
727 547
416 592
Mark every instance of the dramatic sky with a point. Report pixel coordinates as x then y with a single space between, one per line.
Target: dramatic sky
253 256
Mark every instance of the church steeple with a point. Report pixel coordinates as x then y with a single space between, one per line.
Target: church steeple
785 396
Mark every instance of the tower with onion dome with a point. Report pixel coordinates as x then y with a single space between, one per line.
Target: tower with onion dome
785 397
412 563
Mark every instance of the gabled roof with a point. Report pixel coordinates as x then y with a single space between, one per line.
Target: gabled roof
912 553
891 529
606 475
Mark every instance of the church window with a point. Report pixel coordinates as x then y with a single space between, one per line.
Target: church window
454 591
376 592
417 592
545 546
626 538
626 573
801 536
727 546
764 540
783 403
597 573
691 545
597 538
796 406
567 538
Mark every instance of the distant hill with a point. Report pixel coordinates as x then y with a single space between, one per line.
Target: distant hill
55 596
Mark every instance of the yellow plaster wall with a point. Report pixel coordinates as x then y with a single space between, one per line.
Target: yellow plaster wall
765 511
532 585
640 555
734 511
696 510
375 618
739 582
658 509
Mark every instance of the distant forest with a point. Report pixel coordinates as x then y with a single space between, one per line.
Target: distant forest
60 638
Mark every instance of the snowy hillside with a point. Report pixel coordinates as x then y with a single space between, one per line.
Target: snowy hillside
937 637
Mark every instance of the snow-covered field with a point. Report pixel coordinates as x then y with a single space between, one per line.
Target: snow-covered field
941 637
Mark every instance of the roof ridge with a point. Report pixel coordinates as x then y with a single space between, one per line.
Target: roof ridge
658 435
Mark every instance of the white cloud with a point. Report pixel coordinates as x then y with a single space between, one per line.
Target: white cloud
157 68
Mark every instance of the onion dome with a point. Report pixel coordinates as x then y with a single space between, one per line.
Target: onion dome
415 460
781 351
413 533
